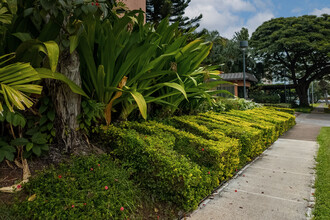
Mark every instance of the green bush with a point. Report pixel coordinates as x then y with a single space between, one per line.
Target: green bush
264 116
268 129
87 188
182 159
250 139
224 104
282 109
219 156
265 98
157 167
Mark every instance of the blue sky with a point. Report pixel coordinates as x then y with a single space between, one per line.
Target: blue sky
229 16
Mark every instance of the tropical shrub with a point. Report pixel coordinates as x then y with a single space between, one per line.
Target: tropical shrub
127 64
226 104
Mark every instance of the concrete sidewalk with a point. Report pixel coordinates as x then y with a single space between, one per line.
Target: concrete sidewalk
278 185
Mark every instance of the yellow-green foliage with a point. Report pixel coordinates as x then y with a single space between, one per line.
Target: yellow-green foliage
155 165
268 129
182 159
221 157
250 139
287 110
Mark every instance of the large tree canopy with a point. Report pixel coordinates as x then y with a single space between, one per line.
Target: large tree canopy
296 48
160 9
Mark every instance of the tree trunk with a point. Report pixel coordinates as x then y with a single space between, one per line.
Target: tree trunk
67 105
301 90
326 97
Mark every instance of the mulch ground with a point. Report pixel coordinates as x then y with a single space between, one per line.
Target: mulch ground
10 176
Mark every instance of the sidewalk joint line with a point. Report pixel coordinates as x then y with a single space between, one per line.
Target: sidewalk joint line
277 155
269 196
282 171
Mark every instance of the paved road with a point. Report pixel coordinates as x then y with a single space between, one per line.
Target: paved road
277 186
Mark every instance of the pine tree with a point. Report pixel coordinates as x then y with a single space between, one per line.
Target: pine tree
174 9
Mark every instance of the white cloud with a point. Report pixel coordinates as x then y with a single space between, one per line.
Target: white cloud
257 20
237 5
214 19
319 12
229 16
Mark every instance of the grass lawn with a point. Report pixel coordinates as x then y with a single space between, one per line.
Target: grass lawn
322 194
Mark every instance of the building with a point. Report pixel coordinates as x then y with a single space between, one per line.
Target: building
135 4
237 86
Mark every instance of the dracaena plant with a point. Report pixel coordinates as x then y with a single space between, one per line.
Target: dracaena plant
123 61
127 64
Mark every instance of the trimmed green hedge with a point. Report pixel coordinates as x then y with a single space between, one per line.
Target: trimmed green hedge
157 166
220 156
182 159
250 139
282 109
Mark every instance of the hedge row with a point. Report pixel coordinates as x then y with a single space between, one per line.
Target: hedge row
182 159
282 109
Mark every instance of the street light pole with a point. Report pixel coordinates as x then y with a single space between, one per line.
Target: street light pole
244 74
244 45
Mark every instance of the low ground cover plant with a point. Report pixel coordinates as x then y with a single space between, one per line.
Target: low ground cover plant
88 187
322 185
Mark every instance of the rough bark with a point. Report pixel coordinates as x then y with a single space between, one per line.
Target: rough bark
326 97
67 105
301 90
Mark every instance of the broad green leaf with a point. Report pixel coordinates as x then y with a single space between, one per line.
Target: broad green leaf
23 36
27 12
10 117
29 146
140 101
19 142
8 148
39 138
177 87
51 115
49 31
50 126
53 52
36 150
43 120
74 41
19 120
48 4
9 155
12 5
31 131
48 74
43 108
